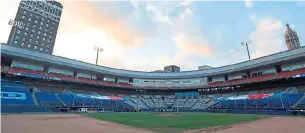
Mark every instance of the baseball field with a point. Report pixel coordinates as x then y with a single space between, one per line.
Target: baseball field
174 121
150 123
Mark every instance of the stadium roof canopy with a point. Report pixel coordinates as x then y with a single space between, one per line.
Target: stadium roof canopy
278 58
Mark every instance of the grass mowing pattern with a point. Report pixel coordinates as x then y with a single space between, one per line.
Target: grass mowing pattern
181 121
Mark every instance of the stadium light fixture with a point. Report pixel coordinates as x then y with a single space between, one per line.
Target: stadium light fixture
98 49
246 43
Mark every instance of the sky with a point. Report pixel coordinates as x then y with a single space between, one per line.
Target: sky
148 35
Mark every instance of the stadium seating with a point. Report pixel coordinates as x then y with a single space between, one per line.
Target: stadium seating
121 84
15 93
67 99
234 82
18 71
108 83
260 78
87 80
215 84
47 99
62 76
287 74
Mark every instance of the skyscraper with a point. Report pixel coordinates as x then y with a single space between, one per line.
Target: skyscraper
291 38
40 20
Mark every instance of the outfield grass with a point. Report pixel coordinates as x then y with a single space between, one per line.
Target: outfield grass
180 121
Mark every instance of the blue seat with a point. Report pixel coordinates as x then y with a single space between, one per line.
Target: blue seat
45 98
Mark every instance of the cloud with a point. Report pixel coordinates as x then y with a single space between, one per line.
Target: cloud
186 2
186 13
157 15
267 38
80 15
248 3
193 45
252 17
8 11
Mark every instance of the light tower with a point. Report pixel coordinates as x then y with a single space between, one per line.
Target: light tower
247 43
98 49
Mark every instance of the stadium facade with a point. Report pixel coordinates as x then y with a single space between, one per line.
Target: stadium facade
34 81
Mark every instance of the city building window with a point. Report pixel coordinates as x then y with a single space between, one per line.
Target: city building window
37 17
30 19
42 19
23 39
34 26
37 37
42 44
35 21
53 24
44 34
26 28
23 17
35 47
29 45
24 12
17 37
40 28
32 35
48 21
41 23
15 42
22 44
33 31
31 15
38 32
47 50
41 49
48 46
30 40
18 31
43 39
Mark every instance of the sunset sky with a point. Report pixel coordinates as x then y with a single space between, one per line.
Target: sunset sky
147 35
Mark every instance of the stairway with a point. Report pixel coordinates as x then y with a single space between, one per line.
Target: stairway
62 102
298 101
34 97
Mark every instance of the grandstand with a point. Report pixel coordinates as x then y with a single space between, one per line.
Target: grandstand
36 82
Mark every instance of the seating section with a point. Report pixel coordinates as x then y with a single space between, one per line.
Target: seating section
260 78
62 76
287 74
47 99
67 99
87 80
259 101
301 104
16 70
234 82
125 85
108 83
215 84
15 93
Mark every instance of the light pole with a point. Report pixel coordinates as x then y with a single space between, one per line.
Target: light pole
98 49
247 43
